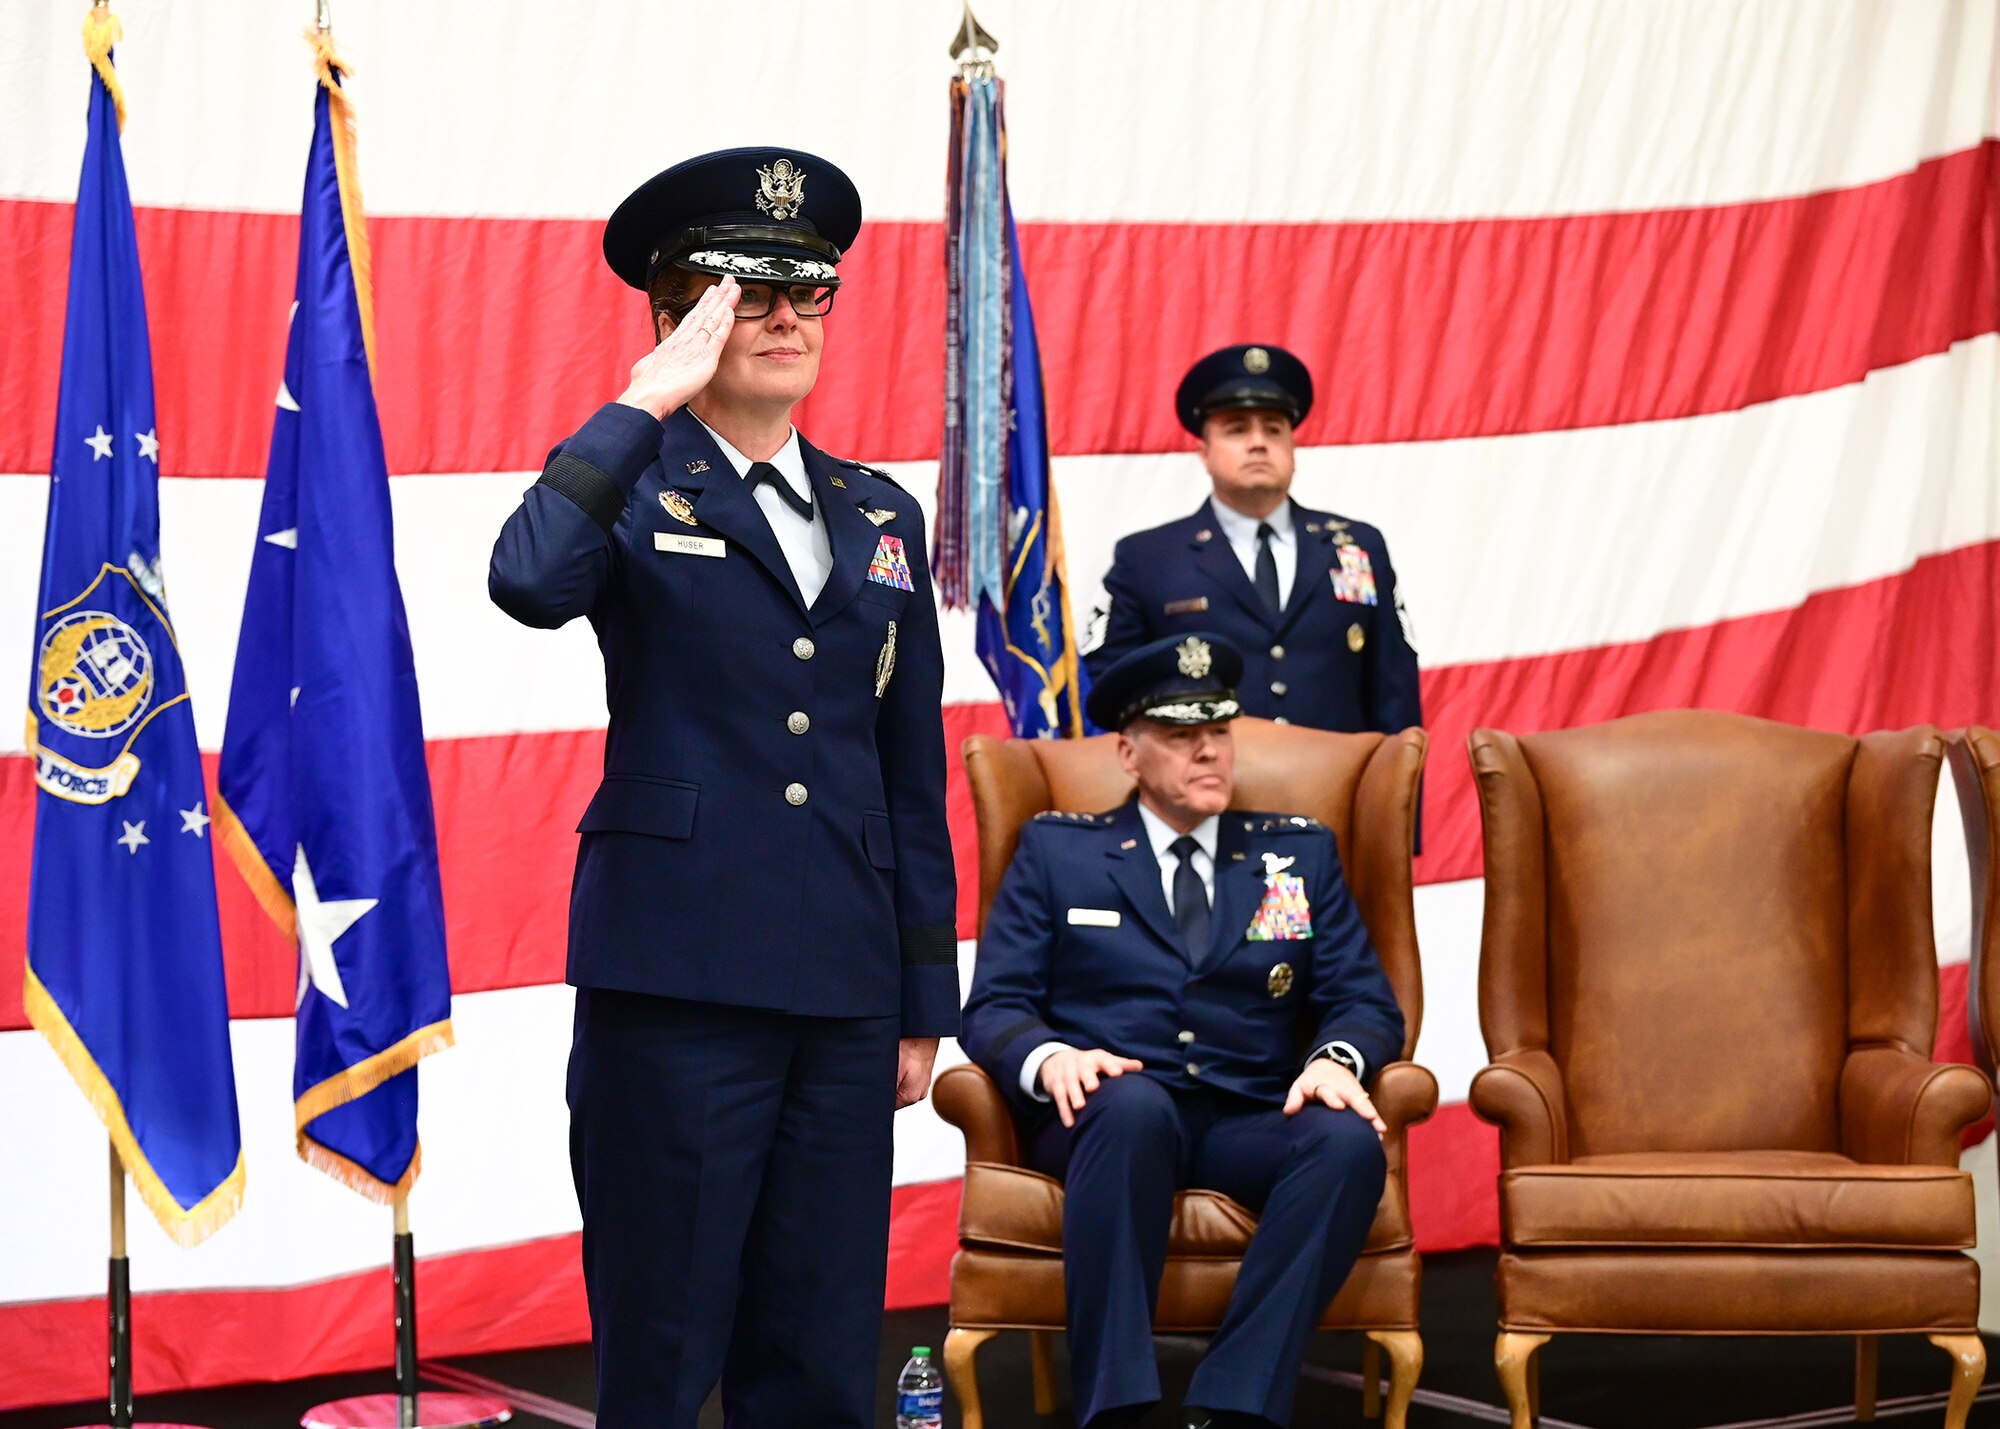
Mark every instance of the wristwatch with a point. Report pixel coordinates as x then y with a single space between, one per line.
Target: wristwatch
1342 1056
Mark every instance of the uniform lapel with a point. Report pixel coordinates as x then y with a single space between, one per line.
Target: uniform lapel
1239 887
1315 542
1137 874
850 534
1214 559
690 459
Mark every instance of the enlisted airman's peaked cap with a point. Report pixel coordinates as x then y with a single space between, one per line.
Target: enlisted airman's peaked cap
1247 377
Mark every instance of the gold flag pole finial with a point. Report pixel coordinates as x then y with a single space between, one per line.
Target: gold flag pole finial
973 48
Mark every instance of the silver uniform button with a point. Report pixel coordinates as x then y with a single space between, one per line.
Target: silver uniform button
803 648
797 722
795 794
1193 1070
1187 1036
1280 720
1278 688
1277 652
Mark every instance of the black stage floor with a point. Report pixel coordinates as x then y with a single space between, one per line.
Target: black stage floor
1587 1383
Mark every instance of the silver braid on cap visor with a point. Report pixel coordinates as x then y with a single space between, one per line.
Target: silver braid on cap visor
763 266
1193 711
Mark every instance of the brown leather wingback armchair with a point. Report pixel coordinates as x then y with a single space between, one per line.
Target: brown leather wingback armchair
1708 988
1975 767
1008 1273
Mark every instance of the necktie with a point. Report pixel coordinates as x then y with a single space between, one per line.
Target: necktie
1190 899
1267 568
762 473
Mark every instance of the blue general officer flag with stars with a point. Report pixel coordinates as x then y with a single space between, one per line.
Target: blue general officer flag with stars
325 799
124 967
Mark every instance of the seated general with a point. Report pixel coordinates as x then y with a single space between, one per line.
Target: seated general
1178 995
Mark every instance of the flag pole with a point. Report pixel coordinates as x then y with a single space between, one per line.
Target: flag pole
120 1301
406 1314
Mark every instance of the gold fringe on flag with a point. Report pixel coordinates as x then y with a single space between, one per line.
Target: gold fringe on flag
101 31
185 1227
265 884
352 1176
350 1085
332 71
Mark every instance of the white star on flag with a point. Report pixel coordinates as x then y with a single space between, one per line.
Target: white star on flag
101 443
194 820
135 834
320 926
149 445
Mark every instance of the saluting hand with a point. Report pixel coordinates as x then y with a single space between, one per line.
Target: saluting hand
667 377
1070 1076
1327 1082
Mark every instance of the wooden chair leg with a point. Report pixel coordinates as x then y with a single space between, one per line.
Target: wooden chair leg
1406 1361
1867 1364
1041 1345
960 1349
1371 1379
1514 1362
1968 1355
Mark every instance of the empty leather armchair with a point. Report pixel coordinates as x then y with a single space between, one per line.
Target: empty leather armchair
1708 987
1975 767
1008 1273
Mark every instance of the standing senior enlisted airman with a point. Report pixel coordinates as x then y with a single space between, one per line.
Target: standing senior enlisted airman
1308 597
761 924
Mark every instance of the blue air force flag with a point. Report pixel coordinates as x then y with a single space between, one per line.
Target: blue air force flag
325 799
124 967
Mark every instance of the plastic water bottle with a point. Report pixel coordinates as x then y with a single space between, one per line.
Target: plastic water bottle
919 1393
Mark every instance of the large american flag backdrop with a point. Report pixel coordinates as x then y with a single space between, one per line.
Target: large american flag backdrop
1659 337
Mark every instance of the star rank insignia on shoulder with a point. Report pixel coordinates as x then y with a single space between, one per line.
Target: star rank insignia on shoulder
1282 824
1061 816
867 470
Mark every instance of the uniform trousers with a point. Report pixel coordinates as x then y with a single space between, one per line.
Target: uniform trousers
1315 1180
733 1168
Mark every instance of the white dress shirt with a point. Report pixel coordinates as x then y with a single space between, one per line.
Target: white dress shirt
1241 533
807 549
1162 836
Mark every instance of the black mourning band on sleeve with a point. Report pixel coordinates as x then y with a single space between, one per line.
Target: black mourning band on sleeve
928 947
597 494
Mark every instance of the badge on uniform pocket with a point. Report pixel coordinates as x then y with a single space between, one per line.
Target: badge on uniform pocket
890 566
1354 577
1193 605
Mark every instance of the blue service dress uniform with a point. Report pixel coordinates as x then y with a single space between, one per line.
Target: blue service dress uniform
1080 948
1336 657
763 905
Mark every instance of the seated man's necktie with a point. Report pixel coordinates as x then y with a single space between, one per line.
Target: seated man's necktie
1190 898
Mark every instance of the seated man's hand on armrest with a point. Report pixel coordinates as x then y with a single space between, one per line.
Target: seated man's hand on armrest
1327 1082
1068 1076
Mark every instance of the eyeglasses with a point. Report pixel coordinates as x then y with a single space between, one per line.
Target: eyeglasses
758 300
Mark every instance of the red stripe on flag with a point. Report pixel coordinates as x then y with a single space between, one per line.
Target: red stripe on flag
1882 655
497 337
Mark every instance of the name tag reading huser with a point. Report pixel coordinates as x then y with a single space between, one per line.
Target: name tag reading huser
679 545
